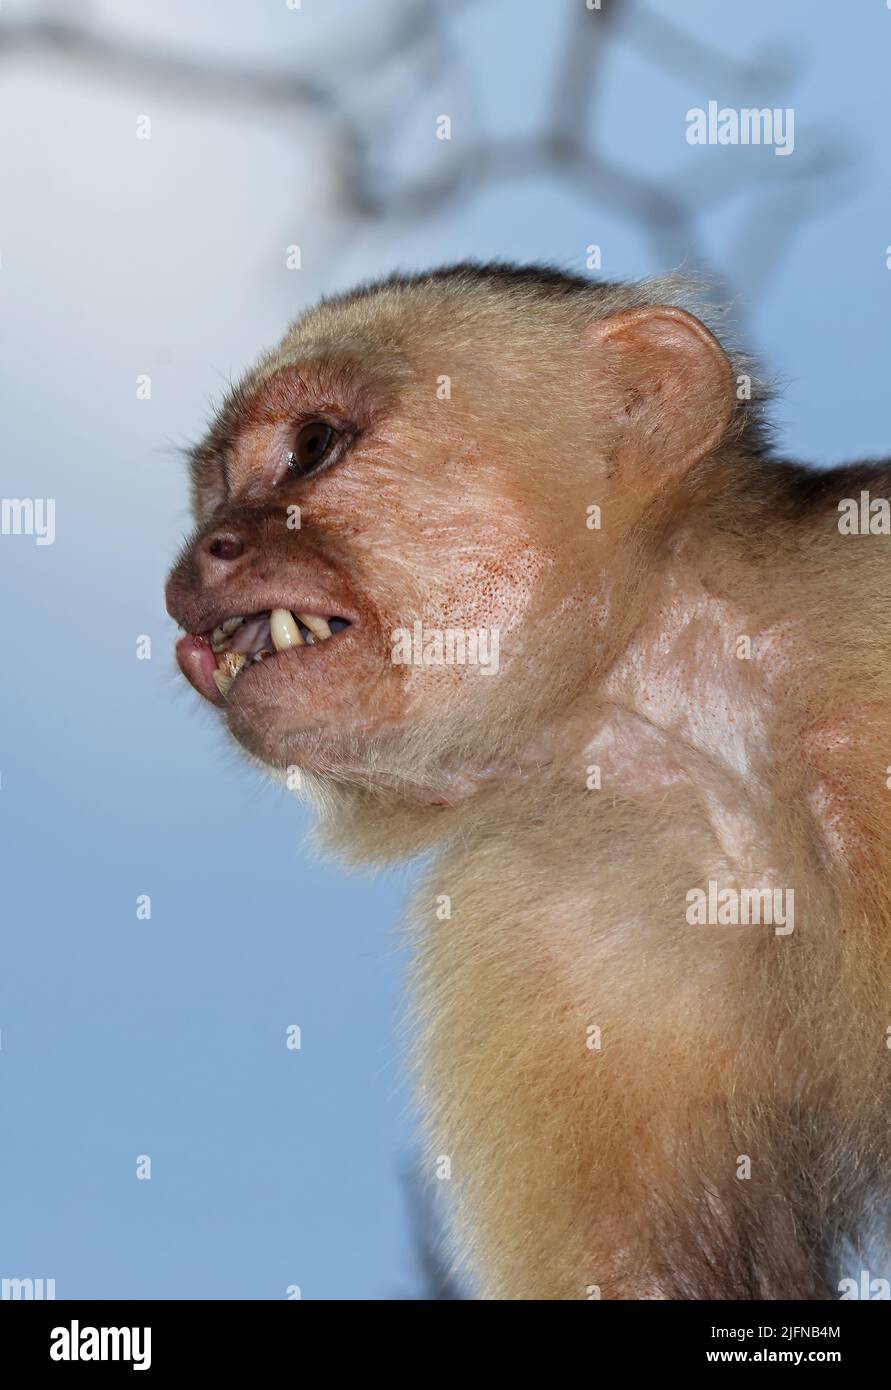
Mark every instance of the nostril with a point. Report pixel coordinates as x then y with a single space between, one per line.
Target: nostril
225 547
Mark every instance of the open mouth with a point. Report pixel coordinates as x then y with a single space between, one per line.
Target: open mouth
239 641
215 659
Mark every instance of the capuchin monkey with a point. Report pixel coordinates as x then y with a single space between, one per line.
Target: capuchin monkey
499 565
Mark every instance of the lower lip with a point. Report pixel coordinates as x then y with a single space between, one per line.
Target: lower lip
198 661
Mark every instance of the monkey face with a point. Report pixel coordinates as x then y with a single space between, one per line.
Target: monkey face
360 574
393 579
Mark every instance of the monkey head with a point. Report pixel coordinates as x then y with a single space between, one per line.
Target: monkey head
395 582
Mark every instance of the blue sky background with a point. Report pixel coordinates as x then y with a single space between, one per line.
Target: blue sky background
121 1037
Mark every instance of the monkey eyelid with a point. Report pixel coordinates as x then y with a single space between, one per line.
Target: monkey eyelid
346 432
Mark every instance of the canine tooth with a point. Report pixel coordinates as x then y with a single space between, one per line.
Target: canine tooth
284 631
317 626
222 682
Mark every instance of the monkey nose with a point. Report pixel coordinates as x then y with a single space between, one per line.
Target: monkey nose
216 554
225 547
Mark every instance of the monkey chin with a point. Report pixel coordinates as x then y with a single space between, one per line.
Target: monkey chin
311 708
382 770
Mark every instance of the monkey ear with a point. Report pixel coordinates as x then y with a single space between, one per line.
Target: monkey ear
673 391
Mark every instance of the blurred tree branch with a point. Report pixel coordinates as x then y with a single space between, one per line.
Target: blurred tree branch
416 46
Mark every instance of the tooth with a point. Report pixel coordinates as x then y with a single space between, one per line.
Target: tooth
220 635
222 682
232 663
317 626
284 631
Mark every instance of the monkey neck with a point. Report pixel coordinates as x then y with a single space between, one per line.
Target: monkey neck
685 704
713 651
693 653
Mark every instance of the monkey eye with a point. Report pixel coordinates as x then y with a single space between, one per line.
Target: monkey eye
313 445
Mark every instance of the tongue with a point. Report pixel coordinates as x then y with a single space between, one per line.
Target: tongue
197 662
251 636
